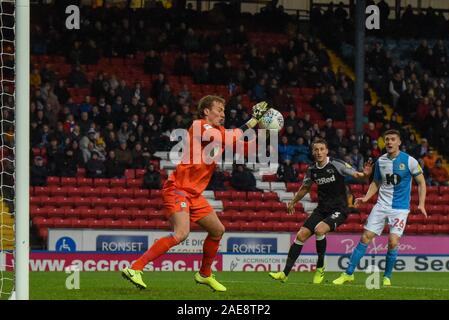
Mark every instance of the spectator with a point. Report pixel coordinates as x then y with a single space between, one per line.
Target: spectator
287 173
114 169
439 175
377 113
77 78
286 150
334 109
372 131
396 87
124 155
217 181
151 178
182 65
422 149
430 159
139 161
302 154
152 63
243 179
39 173
67 165
356 159
94 167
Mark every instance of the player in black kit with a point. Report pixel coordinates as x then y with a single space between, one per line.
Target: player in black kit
329 175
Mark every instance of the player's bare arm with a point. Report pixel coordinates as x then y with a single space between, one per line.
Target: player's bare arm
303 190
367 171
422 193
372 190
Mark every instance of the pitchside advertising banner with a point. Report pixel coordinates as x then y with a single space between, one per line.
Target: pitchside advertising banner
65 240
95 261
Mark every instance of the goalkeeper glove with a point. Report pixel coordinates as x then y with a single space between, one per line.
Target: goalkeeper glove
259 110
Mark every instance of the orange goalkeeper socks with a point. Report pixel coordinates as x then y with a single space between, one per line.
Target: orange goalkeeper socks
210 248
160 247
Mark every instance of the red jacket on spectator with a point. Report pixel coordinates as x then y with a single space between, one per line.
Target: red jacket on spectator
439 174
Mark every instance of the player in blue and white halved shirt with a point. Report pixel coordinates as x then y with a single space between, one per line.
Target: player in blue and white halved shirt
393 173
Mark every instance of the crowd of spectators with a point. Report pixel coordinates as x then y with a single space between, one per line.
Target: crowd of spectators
129 122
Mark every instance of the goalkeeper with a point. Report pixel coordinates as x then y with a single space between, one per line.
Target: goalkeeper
182 194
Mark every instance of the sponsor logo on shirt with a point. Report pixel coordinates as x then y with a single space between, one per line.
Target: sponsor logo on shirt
321 181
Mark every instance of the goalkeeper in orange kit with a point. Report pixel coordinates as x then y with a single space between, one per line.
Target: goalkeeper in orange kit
182 192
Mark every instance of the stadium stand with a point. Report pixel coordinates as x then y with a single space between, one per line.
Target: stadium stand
120 99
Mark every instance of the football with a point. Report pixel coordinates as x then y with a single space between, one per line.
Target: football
272 120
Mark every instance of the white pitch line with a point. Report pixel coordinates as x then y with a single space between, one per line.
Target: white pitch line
336 286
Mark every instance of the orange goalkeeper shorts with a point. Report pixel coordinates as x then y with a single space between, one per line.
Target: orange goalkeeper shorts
176 200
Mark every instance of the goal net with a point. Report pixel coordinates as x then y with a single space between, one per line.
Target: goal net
7 23
14 246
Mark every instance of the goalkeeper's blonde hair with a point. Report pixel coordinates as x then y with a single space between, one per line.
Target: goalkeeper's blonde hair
206 103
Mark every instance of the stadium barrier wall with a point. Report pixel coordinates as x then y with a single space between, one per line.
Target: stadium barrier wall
94 261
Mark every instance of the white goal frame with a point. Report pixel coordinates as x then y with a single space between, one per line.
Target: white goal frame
22 142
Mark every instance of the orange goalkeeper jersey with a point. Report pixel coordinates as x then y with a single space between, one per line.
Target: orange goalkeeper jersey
193 174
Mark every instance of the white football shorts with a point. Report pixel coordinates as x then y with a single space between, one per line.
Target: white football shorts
396 219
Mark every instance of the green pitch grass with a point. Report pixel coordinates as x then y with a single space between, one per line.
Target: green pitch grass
241 286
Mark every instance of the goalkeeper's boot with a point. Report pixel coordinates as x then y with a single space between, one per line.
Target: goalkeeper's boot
134 276
209 281
279 276
386 282
319 276
344 278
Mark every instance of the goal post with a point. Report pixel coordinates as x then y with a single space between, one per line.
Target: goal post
22 168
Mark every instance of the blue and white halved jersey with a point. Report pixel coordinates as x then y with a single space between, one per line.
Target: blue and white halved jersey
395 179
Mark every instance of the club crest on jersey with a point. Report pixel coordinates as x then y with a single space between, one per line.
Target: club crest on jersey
183 205
401 166
330 171
207 126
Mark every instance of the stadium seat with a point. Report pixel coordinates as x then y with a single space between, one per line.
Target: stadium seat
278 206
280 226
222 195
129 224
238 195
134 183
155 193
68 181
425 229
80 223
141 193
53 181
232 225
270 196
123 193
83 182
42 191
118 183
249 225
139 173
147 224
443 190
293 186
254 196
101 182
441 229
264 226
411 229
130 174
241 216
272 216
353 218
